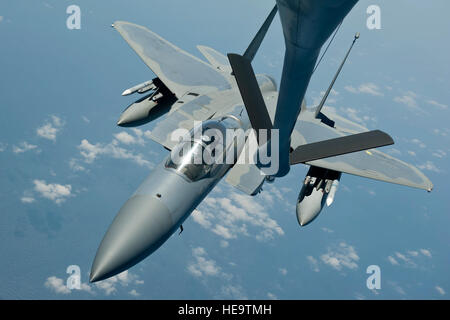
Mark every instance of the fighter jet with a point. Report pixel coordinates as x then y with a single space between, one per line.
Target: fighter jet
215 117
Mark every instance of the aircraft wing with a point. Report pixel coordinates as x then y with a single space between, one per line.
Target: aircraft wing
177 69
372 164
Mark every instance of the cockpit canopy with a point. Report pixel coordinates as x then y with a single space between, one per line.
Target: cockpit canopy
199 153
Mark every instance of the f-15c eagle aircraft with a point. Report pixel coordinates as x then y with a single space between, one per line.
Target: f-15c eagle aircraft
224 95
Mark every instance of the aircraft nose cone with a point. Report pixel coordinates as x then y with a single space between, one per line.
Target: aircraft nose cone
142 225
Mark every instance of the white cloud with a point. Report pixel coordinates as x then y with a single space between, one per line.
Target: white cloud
409 99
75 166
1 18
56 192
440 290
3 147
370 88
202 265
108 286
313 263
231 214
393 261
59 286
426 252
224 244
359 296
124 279
271 296
356 116
86 287
202 218
27 199
283 271
437 104
85 119
397 288
126 138
24 147
224 232
430 166
440 154
341 256
234 292
403 258
419 143
327 230
51 128
410 258
442 132
90 152
330 98
351 89
134 293
394 151
413 253
367 88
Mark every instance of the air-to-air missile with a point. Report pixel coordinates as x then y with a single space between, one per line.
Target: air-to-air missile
319 187
140 88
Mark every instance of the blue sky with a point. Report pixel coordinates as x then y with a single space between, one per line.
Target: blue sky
66 168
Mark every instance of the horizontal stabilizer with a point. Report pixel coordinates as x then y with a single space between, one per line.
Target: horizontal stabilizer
339 146
250 92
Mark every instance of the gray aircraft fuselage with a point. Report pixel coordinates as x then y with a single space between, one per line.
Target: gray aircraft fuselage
166 199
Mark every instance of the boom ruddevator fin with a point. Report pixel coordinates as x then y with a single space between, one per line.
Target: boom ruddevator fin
338 146
250 93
